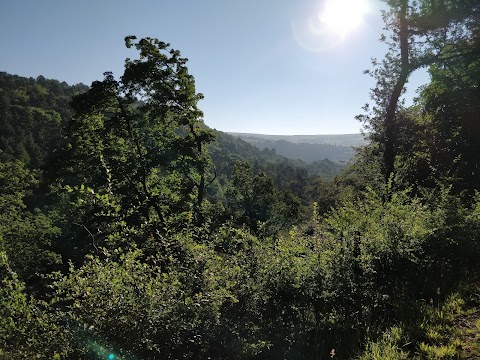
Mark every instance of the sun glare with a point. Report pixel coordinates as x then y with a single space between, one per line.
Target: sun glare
330 25
342 17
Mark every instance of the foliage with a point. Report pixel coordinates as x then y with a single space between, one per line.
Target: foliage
27 328
254 201
443 330
421 34
386 348
140 138
446 129
287 174
26 236
142 311
32 113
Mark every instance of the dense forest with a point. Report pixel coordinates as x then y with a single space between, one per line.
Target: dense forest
130 230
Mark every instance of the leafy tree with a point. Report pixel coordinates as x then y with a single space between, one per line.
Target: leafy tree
323 193
450 114
254 201
141 139
422 33
32 113
26 236
27 329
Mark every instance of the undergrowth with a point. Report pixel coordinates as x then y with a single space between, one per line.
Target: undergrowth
447 330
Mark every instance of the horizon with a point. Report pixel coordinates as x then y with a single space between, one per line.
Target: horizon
249 133
259 65
227 132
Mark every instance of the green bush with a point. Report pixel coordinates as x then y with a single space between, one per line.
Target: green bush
27 329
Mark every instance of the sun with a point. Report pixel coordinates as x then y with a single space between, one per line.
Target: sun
342 17
332 24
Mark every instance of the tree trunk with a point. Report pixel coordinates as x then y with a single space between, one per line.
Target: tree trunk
405 70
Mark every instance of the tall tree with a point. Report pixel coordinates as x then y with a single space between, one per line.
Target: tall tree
141 138
422 33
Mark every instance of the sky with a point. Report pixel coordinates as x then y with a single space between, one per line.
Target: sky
286 67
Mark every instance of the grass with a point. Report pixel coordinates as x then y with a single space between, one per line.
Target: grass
450 330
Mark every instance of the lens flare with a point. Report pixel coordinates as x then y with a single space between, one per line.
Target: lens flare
330 25
342 17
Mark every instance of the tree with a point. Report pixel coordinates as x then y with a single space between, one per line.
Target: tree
140 139
253 200
27 329
32 114
423 33
26 236
439 138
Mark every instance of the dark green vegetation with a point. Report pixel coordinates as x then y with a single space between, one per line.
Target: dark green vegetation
127 229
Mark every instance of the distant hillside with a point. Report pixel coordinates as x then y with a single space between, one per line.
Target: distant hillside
339 140
308 148
33 113
227 149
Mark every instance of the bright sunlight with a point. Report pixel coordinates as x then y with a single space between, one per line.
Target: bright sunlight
334 22
342 17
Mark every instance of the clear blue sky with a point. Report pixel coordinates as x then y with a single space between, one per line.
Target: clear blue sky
259 66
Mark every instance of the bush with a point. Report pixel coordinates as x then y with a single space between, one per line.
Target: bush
27 329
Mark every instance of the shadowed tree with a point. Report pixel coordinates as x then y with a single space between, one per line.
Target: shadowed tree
422 33
141 138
